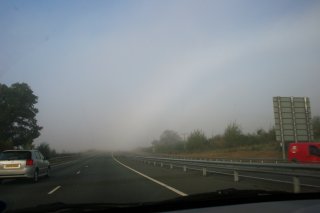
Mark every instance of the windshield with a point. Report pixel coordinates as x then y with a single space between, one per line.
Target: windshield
145 101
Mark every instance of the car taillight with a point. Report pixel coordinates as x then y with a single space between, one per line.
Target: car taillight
29 162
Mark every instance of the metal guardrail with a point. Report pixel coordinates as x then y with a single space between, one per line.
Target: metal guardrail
61 159
252 160
67 159
240 169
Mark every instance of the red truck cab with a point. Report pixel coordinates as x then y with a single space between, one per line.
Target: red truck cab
304 152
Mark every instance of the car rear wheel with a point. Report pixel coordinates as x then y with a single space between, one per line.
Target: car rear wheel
48 172
35 176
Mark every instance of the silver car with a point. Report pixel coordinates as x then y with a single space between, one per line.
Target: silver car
23 164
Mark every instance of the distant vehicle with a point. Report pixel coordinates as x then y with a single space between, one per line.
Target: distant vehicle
306 152
23 164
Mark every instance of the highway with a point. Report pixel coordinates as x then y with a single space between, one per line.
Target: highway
90 179
104 178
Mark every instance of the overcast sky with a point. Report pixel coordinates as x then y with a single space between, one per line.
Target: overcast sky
116 74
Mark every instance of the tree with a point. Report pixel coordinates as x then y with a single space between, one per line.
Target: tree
170 137
197 141
316 127
45 149
170 141
216 141
18 124
263 136
233 134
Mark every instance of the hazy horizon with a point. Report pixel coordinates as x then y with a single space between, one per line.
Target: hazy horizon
116 74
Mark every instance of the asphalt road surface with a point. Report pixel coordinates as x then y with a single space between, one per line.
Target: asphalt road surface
103 178
92 179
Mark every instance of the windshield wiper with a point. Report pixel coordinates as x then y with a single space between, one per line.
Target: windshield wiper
219 198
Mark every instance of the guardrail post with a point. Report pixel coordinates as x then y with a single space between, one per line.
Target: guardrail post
236 176
204 172
184 168
161 164
171 166
296 185
154 163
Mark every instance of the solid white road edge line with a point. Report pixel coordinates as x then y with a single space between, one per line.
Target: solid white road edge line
53 190
153 180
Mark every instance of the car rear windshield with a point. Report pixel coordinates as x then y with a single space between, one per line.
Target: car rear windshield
15 155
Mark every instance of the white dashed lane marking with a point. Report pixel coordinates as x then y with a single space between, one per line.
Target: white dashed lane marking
53 190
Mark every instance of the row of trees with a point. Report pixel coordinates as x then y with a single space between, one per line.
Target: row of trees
171 142
18 123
